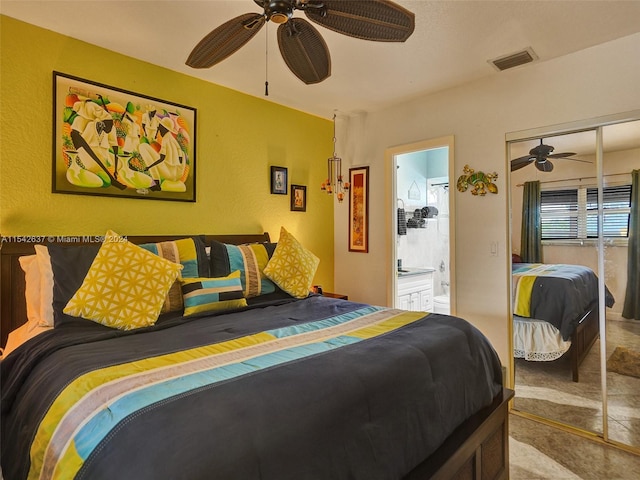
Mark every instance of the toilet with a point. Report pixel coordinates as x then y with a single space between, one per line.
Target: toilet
441 304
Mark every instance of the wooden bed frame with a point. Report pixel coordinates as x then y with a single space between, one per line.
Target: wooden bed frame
583 338
477 449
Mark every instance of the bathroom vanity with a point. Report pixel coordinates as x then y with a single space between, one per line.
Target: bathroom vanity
415 289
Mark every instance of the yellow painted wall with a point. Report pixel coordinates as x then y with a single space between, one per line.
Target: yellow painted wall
238 138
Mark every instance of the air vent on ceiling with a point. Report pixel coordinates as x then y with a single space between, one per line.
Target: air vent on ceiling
514 60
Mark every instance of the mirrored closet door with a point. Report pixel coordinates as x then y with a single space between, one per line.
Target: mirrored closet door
571 239
621 156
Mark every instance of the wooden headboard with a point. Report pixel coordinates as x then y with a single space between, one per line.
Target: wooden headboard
13 310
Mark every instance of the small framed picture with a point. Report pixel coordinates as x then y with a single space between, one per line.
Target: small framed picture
279 180
298 198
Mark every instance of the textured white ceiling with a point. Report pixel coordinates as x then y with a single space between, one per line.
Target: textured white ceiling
451 45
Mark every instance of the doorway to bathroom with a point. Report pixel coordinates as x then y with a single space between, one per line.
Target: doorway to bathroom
421 236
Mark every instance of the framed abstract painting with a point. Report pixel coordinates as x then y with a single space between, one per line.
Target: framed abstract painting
109 141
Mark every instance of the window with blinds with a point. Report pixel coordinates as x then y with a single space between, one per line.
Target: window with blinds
573 213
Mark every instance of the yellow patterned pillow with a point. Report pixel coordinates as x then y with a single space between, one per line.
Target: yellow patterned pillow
292 266
125 286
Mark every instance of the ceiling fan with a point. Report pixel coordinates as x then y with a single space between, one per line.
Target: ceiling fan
541 154
303 49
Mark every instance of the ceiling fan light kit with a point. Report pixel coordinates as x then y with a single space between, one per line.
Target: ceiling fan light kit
301 45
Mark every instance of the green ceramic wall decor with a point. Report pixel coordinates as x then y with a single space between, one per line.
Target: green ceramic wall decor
479 181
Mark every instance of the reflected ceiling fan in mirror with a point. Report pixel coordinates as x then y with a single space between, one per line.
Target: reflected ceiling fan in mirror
301 45
541 154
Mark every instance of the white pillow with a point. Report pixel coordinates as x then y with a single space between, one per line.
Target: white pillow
20 335
46 286
38 277
29 265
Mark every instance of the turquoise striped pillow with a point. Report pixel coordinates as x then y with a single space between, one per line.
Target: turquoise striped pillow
249 259
184 252
212 294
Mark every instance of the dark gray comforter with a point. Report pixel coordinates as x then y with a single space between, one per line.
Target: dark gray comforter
561 294
371 410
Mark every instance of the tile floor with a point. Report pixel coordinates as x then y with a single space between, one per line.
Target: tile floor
538 451
546 389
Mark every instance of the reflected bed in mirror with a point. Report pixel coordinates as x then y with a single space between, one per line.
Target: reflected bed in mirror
556 311
583 220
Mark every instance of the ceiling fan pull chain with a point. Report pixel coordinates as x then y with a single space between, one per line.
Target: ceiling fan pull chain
266 61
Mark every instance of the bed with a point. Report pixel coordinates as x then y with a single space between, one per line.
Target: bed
279 388
555 312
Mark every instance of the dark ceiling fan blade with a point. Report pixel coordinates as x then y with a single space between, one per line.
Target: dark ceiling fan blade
304 51
378 20
545 166
568 156
521 162
577 160
225 40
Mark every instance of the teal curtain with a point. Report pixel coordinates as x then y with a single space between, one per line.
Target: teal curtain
632 297
531 233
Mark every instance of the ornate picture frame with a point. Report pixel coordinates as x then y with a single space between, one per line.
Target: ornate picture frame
359 209
113 142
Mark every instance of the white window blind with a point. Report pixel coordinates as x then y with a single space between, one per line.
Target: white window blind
616 207
559 214
573 213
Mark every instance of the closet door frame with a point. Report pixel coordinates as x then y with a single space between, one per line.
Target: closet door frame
596 125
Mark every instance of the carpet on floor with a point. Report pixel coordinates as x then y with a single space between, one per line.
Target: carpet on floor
625 362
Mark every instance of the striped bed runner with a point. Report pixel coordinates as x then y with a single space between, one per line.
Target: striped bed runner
90 407
524 278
